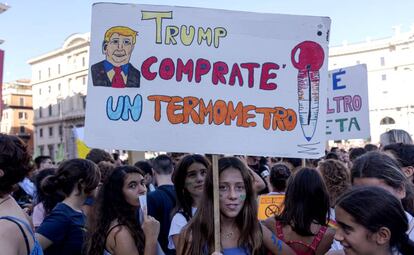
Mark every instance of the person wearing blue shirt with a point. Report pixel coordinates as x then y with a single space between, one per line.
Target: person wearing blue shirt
62 231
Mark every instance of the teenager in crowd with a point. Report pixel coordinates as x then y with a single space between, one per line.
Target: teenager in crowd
161 202
337 178
279 174
379 169
303 222
372 221
241 233
62 231
16 236
113 227
44 202
188 178
395 136
404 154
146 167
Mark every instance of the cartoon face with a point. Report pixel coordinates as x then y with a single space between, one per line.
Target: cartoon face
232 192
133 187
194 180
353 237
119 49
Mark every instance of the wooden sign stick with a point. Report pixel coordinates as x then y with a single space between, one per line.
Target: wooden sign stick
217 243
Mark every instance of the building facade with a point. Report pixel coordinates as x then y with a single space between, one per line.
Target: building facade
59 82
17 117
390 64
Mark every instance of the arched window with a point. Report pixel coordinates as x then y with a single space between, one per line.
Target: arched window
387 121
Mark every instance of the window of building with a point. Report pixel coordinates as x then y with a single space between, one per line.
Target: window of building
40 91
40 75
22 129
50 88
50 148
58 68
384 77
387 121
21 115
40 112
50 131
50 110
60 130
358 62
5 115
40 132
382 61
21 101
41 149
84 102
59 86
84 80
48 72
25 115
83 61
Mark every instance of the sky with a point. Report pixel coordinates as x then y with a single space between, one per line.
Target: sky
33 28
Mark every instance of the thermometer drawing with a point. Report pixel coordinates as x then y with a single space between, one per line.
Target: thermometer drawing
308 58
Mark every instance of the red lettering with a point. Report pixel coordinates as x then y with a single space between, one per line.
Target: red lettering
265 76
145 68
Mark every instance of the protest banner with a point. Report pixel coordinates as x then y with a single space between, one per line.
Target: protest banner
270 205
347 104
207 81
180 79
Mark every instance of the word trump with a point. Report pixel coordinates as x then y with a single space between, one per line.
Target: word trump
182 110
185 33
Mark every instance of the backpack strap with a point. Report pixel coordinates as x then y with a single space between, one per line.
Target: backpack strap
16 221
318 238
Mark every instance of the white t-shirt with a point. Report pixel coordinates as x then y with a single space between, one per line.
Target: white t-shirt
410 231
177 224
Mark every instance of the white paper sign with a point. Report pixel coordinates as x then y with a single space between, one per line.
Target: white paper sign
347 104
181 79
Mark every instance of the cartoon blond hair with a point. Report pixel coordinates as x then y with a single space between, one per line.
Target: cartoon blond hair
125 31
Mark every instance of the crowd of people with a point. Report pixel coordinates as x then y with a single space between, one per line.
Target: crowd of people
359 201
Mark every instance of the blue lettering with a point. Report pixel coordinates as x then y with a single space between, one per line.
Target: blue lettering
124 108
135 109
336 80
114 114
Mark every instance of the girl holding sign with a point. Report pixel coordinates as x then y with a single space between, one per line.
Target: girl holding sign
113 227
241 233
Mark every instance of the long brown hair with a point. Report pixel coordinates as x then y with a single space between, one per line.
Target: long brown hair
111 205
199 233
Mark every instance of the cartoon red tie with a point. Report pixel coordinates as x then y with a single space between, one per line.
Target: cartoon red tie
118 80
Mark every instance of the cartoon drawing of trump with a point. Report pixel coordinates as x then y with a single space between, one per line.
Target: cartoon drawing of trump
116 71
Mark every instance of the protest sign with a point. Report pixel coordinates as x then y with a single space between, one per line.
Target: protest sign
270 205
347 104
166 78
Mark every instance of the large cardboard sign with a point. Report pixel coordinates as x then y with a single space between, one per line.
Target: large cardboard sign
166 78
347 104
